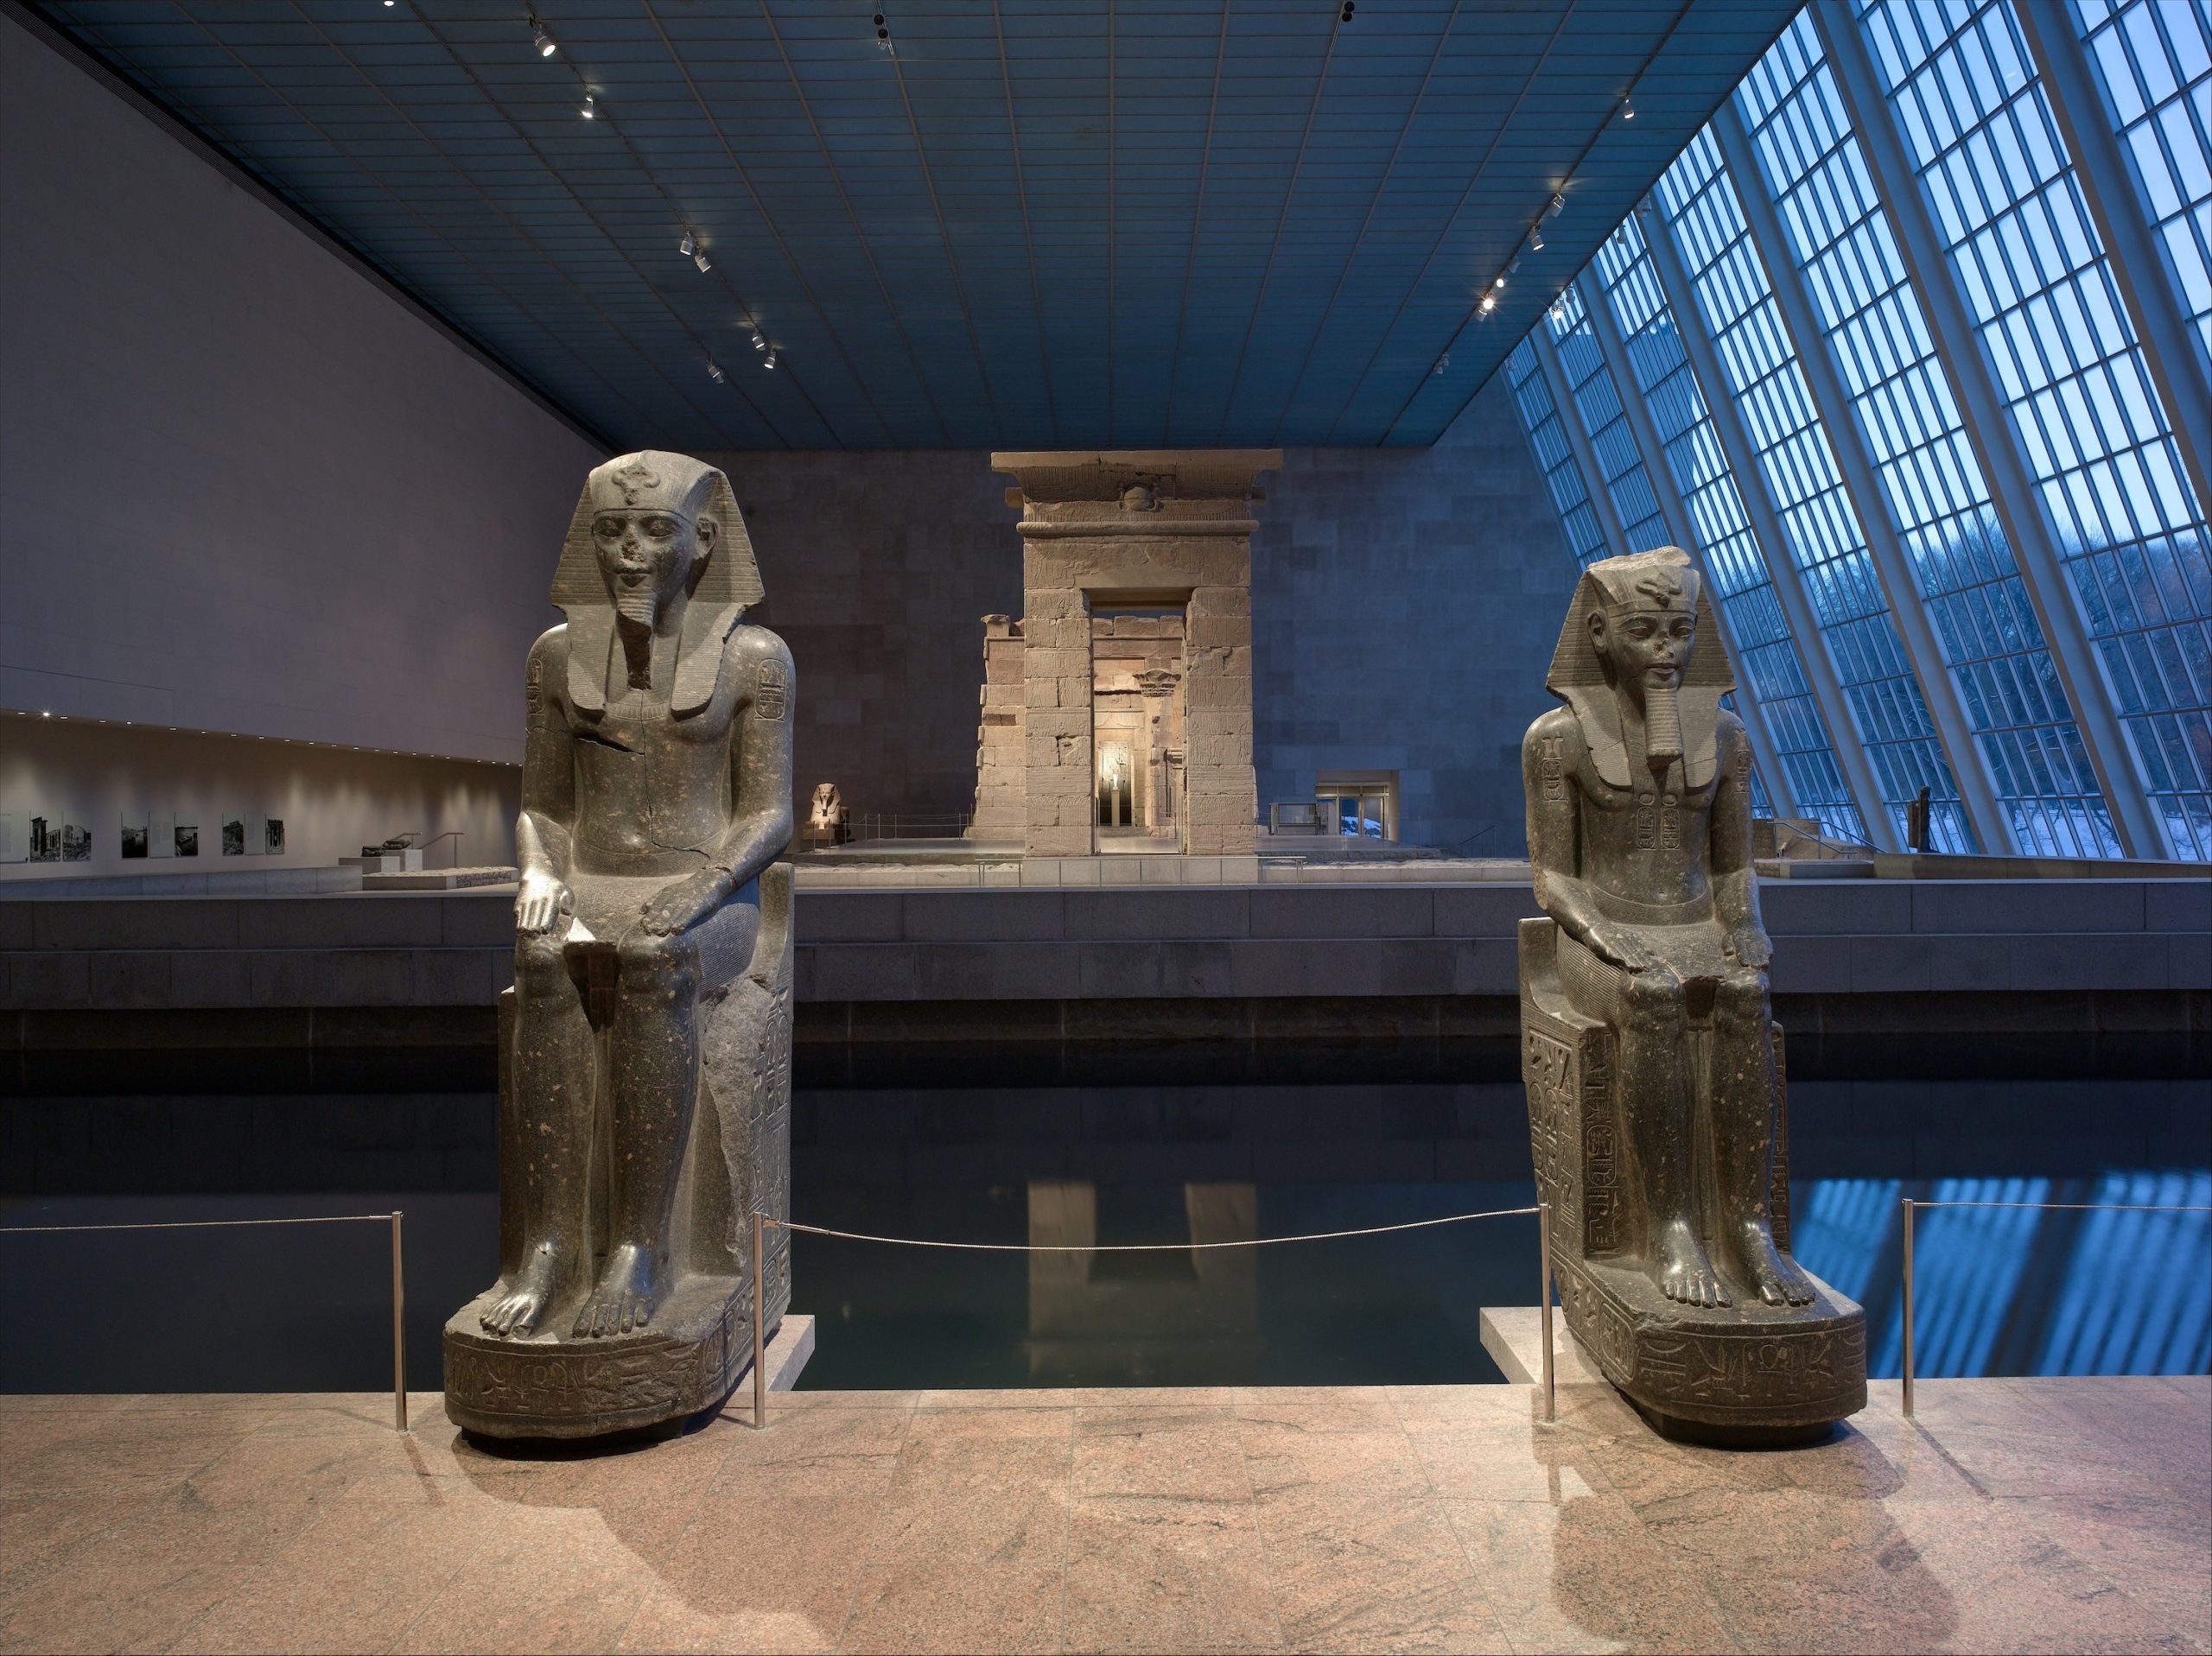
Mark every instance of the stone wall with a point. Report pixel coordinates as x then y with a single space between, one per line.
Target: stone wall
1404 603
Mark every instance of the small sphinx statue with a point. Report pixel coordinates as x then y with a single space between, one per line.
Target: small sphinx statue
1654 1067
644 1074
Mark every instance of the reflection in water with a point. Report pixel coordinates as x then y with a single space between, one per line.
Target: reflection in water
1142 1319
2022 1290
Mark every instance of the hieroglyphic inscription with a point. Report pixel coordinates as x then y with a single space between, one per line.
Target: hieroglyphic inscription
1601 1171
1778 1198
1553 773
1547 1069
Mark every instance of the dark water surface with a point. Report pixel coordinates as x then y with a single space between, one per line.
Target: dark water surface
2002 1290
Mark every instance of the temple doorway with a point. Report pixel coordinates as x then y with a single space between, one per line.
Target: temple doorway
1137 751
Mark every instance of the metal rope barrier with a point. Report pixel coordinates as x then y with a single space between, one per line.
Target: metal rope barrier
398 1272
1912 1206
762 1222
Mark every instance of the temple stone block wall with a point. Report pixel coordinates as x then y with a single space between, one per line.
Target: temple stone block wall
1127 530
1002 792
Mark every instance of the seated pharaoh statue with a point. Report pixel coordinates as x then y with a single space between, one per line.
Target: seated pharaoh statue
644 1074
1653 1064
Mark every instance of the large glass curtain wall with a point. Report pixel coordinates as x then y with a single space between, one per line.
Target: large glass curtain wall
1845 403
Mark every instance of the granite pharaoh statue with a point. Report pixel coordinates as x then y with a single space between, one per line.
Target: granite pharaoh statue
1653 1065
644 1048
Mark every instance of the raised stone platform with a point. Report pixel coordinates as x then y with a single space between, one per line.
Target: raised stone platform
2028 961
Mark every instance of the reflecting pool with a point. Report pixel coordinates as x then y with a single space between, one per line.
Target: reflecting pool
2002 1289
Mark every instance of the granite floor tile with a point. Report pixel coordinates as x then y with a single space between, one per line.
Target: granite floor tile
2014 1587
37 1533
1506 1460
1374 1573
965 1569
555 1578
354 1581
137 1583
2158 1552
1146 1573
1291 1467
2006 1516
1174 1453
2009 1444
1318 1408
757 1573
1583 1574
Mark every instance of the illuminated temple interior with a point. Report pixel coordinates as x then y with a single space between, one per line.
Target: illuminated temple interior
1396 838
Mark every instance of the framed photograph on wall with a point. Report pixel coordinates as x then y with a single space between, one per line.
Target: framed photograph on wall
12 848
188 839
161 833
76 833
134 836
272 840
233 832
42 838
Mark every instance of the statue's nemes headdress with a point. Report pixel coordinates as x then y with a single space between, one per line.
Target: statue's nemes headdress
724 584
1661 580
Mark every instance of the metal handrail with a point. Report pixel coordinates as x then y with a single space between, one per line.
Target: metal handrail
398 1272
761 1221
1912 1206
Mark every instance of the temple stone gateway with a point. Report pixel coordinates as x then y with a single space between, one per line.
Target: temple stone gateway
1657 1113
1126 689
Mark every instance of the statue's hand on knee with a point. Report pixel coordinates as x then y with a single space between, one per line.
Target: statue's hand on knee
541 901
1618 945
682 904
1748 945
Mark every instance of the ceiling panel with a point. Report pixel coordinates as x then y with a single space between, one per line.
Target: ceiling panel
1029 224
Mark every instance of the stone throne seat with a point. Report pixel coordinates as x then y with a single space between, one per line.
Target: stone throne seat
1768 1374
699 1345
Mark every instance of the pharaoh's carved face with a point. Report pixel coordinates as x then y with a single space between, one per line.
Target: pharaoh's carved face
647 555
1643 650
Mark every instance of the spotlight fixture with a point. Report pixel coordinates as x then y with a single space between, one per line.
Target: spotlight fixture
539 38
1442 363
1628 109
1558 207
1535 239
769 361
590 110
701 259
688 246
883 35
1344 16
759 344
1498 284
713 371
1489 304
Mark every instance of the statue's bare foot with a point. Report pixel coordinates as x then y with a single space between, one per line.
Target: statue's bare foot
626 1296
524 1302
1684 1273
1767 1268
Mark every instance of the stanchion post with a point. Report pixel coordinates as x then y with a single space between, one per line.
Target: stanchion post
398 1329
760 1341
1908 1305
1544 1304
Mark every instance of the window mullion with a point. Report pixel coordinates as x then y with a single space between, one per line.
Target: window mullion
1752 488
1816 355
1578 439
2018 503
1605 329
2172 354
